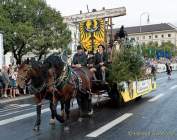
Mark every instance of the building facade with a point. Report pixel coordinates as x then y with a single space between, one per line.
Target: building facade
75 37
159 33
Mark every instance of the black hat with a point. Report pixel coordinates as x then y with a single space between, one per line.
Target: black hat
79 47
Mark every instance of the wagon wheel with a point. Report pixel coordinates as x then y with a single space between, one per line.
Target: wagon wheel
138 98
116 96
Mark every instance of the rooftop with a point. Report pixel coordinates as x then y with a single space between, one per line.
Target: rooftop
148 28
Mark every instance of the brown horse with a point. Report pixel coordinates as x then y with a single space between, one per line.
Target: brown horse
66 83
55 81
34 74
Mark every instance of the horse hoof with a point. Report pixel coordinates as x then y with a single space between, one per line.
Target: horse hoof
80 119
52 122
66 128
36 128
62 120
90 113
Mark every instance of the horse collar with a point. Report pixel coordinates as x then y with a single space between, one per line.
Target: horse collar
37 90
64 78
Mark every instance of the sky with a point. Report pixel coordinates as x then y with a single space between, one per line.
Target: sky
160 11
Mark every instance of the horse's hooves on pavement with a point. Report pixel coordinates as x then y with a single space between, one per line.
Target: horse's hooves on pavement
66 128
36 129
52 122
62 120
90 113
80 119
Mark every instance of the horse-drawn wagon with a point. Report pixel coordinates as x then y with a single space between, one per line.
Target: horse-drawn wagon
56 80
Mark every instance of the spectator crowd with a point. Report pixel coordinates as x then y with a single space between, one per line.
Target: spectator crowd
8 85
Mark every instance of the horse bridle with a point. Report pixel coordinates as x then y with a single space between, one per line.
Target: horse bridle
64 72
25 79
37 90
60 79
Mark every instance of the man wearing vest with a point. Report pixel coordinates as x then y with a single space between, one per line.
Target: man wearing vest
80 58
101 60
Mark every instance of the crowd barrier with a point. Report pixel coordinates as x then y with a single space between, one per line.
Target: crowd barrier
162 67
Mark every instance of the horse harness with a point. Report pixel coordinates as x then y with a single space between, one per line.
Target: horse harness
69 76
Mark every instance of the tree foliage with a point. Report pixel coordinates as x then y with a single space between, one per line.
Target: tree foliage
150 49
127 65
32 26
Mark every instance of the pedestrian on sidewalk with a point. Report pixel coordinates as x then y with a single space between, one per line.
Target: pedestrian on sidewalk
168 70
13 77
6 80
1 83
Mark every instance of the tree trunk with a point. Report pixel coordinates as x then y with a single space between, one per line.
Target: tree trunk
41 53
19 61
40 56
18 58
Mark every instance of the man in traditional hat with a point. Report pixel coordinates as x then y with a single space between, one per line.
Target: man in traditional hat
80 58
101 61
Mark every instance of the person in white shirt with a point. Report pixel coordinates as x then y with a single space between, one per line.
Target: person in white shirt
13 90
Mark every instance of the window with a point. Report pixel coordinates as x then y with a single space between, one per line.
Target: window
150 37
143 37
162 36
137 38
156 36
169 35
132 39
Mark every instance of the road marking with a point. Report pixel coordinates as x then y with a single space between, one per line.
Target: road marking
108 126
14 112
5 109
12 107
173 87
20 117
16 99
156 98
160 78
24 105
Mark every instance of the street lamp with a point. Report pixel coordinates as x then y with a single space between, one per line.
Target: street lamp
148 19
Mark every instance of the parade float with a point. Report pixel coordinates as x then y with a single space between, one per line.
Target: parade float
128 74
127 77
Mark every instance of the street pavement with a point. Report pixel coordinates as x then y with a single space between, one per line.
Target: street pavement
151 118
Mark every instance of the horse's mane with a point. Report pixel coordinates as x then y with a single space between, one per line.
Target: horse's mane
34 64
54 61
39 78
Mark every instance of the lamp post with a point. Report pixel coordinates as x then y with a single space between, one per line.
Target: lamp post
148 19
